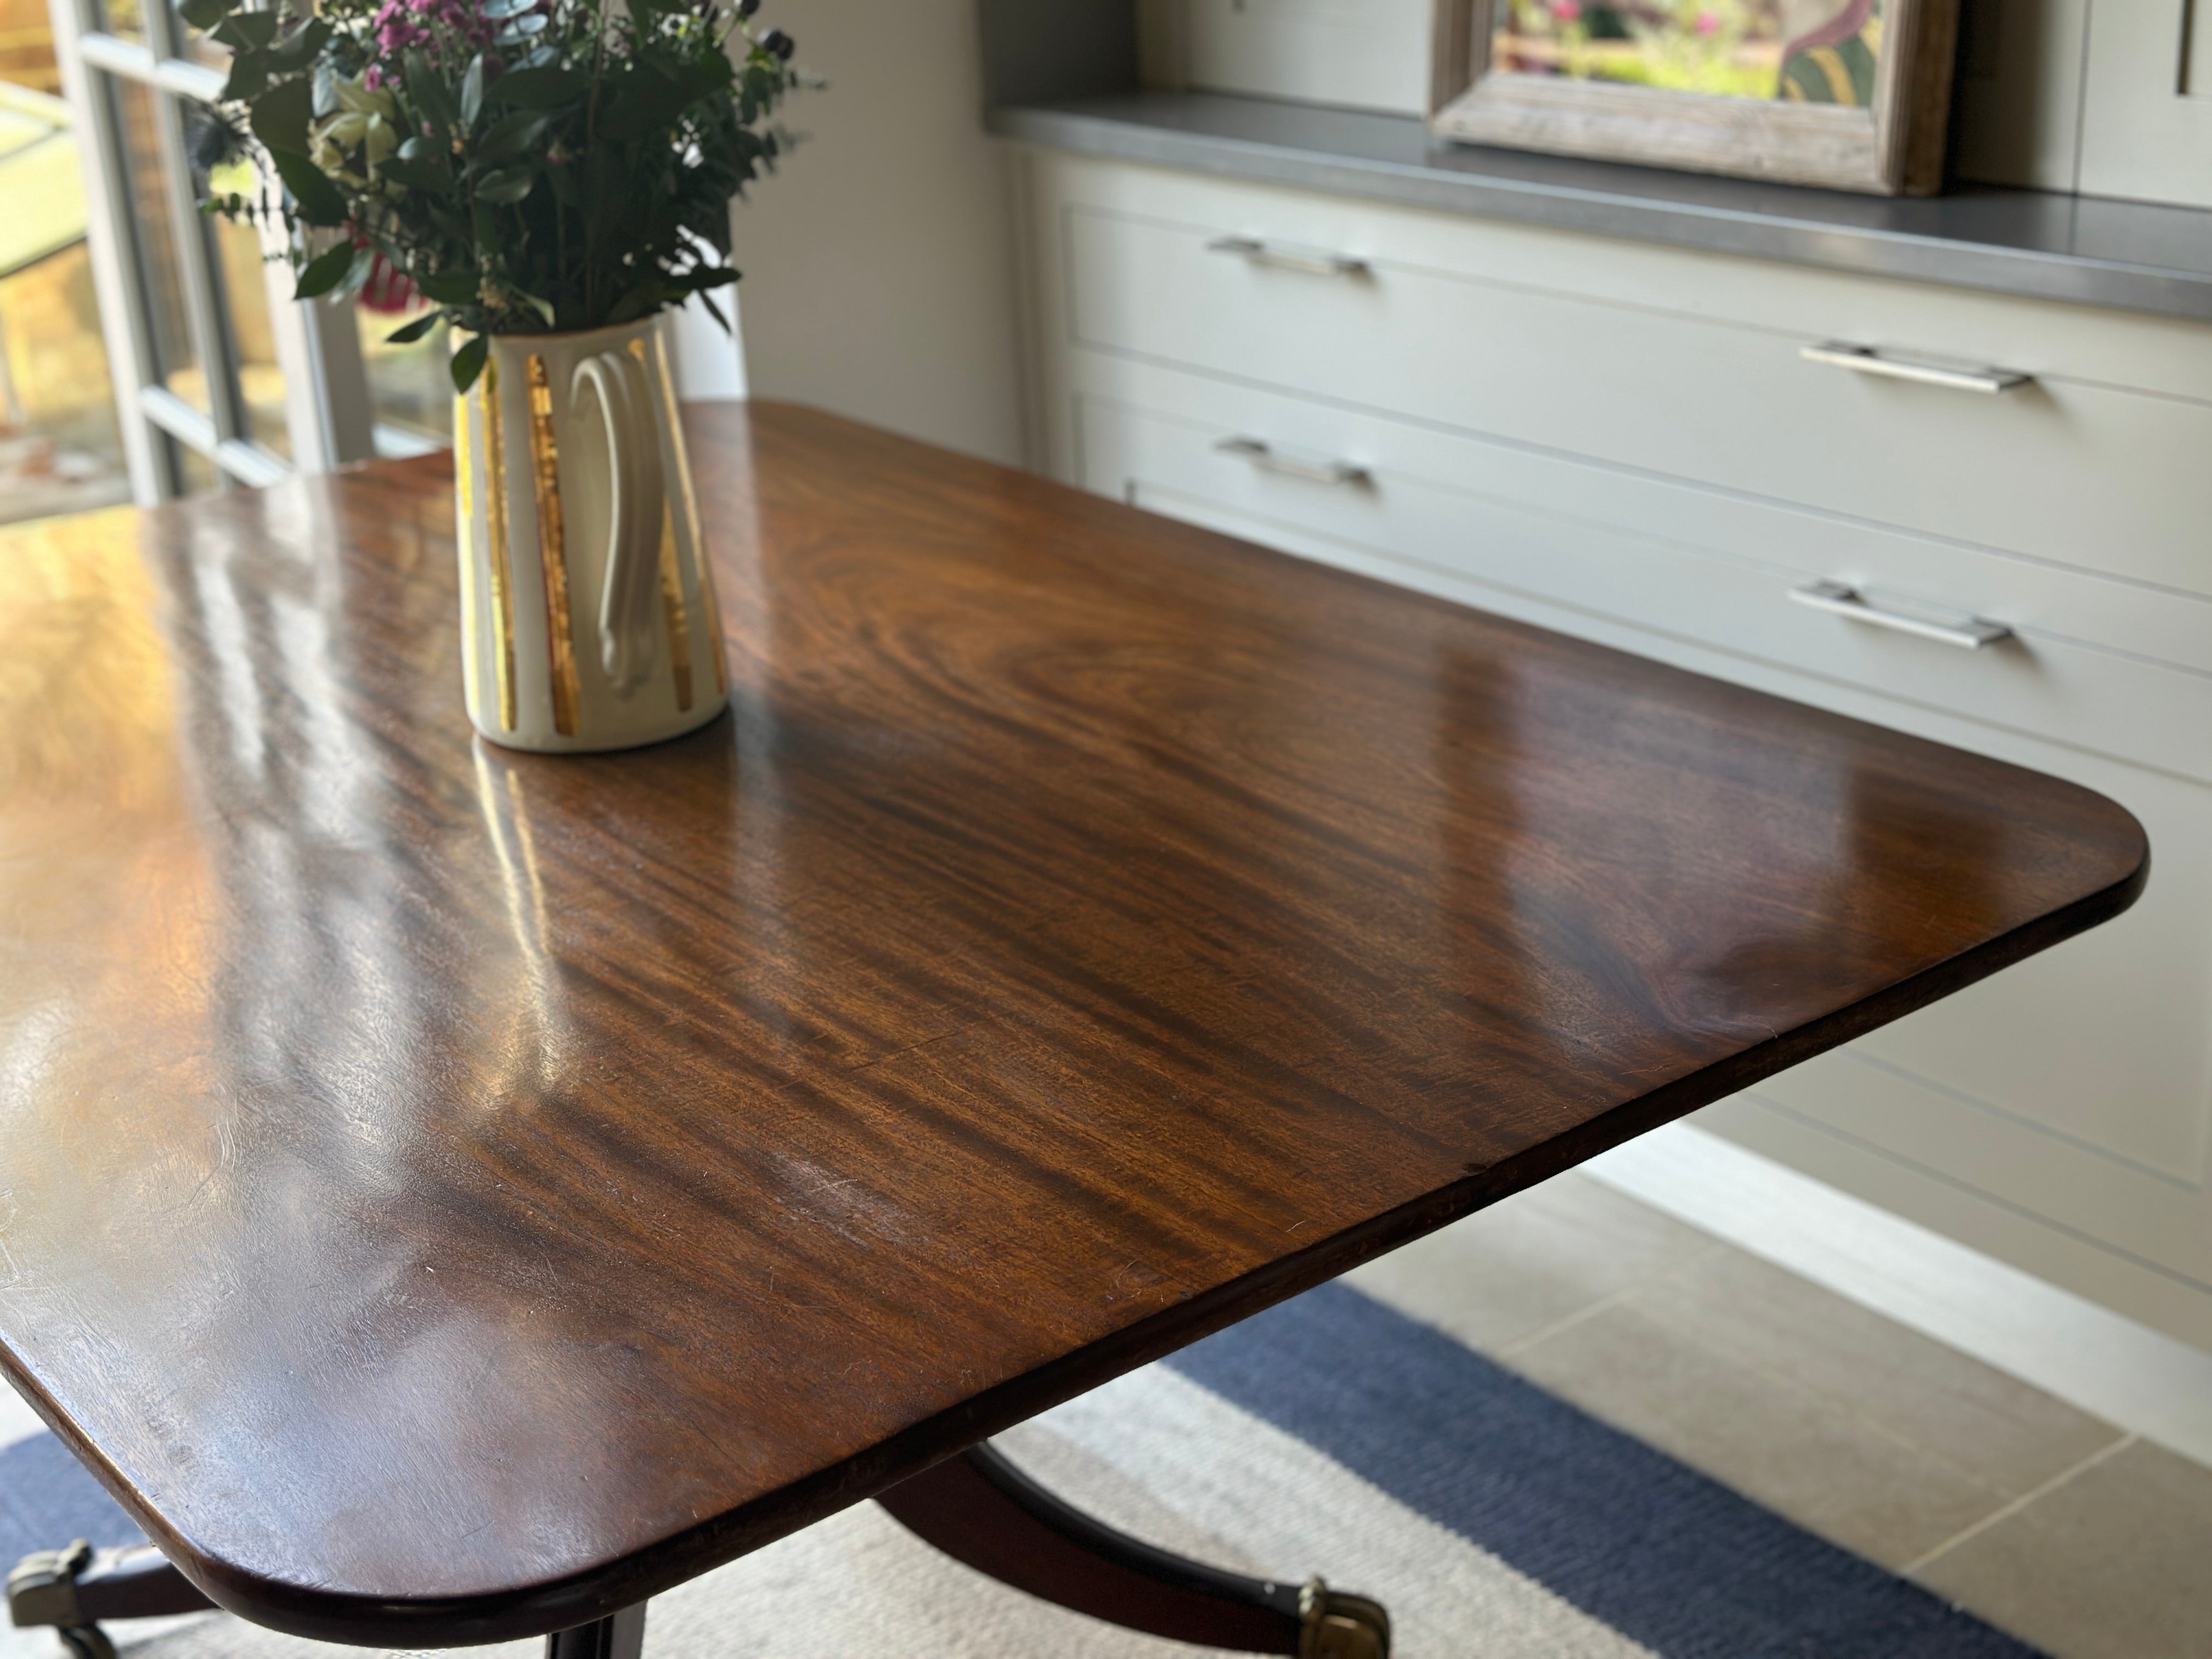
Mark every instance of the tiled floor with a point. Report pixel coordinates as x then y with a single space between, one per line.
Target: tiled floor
2077 1538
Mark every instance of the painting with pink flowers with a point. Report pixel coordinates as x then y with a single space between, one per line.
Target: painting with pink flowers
1820 52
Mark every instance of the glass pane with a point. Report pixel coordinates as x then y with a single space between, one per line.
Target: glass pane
60 449
137 110
196 473
192 44
122 17
410 390
246 288
26 48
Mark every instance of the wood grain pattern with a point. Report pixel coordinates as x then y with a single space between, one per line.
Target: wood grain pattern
451 1193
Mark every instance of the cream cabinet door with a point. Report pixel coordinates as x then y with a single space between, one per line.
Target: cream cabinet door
2147 101
1360 54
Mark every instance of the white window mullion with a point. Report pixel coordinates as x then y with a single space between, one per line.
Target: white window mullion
113 257
327 408
196 273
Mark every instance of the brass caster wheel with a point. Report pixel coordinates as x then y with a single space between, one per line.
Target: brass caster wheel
1334 1625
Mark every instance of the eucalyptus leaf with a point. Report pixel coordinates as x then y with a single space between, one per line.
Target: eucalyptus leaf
639 104
357 271
280 116
511 135
506 189
246 30
449 289
324 271
416 330
248 78
645 299
522 28
544 88
295 50
468 362
317 199
473 91
428 91
416 173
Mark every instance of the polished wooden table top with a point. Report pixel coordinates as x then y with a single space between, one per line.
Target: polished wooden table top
450 1194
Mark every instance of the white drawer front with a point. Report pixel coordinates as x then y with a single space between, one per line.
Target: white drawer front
2077 1085
2085 474
1715 569
2045 337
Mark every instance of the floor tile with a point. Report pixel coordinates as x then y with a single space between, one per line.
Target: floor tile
1521 1266
2114 1563
2006 1433
1834 1472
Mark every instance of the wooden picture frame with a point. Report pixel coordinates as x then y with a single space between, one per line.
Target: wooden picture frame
1893 145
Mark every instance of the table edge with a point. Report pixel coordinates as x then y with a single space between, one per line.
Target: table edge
535 1609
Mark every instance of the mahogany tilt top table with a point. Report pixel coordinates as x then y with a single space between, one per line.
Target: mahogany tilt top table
449 1195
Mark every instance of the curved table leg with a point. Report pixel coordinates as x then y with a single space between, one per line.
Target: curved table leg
979 1509
73 1590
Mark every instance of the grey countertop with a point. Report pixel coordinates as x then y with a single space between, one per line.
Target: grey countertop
2088 249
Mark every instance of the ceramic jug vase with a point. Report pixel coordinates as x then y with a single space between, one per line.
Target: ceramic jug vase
587 612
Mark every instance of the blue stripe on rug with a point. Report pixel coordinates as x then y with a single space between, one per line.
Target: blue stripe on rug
48 1500
1665 1556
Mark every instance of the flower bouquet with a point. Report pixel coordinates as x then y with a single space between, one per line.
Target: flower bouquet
549 174
530 166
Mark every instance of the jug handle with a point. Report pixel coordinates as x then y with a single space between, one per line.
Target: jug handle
633 553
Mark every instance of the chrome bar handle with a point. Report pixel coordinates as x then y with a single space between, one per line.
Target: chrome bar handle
1265 456
1865 359
1318 262
1841 599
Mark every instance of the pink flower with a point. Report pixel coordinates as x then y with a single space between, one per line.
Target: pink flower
1707 22
1567 11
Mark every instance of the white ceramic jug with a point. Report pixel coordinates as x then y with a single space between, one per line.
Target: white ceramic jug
587 613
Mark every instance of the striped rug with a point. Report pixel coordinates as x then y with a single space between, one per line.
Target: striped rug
1331 1435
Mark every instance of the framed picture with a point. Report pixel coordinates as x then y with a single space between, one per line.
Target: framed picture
1853 94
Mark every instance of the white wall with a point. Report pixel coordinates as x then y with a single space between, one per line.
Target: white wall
709 360
878 266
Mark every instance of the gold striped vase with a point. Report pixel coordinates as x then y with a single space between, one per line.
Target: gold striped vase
587 612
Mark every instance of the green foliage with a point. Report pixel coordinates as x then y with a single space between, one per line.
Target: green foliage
531 166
